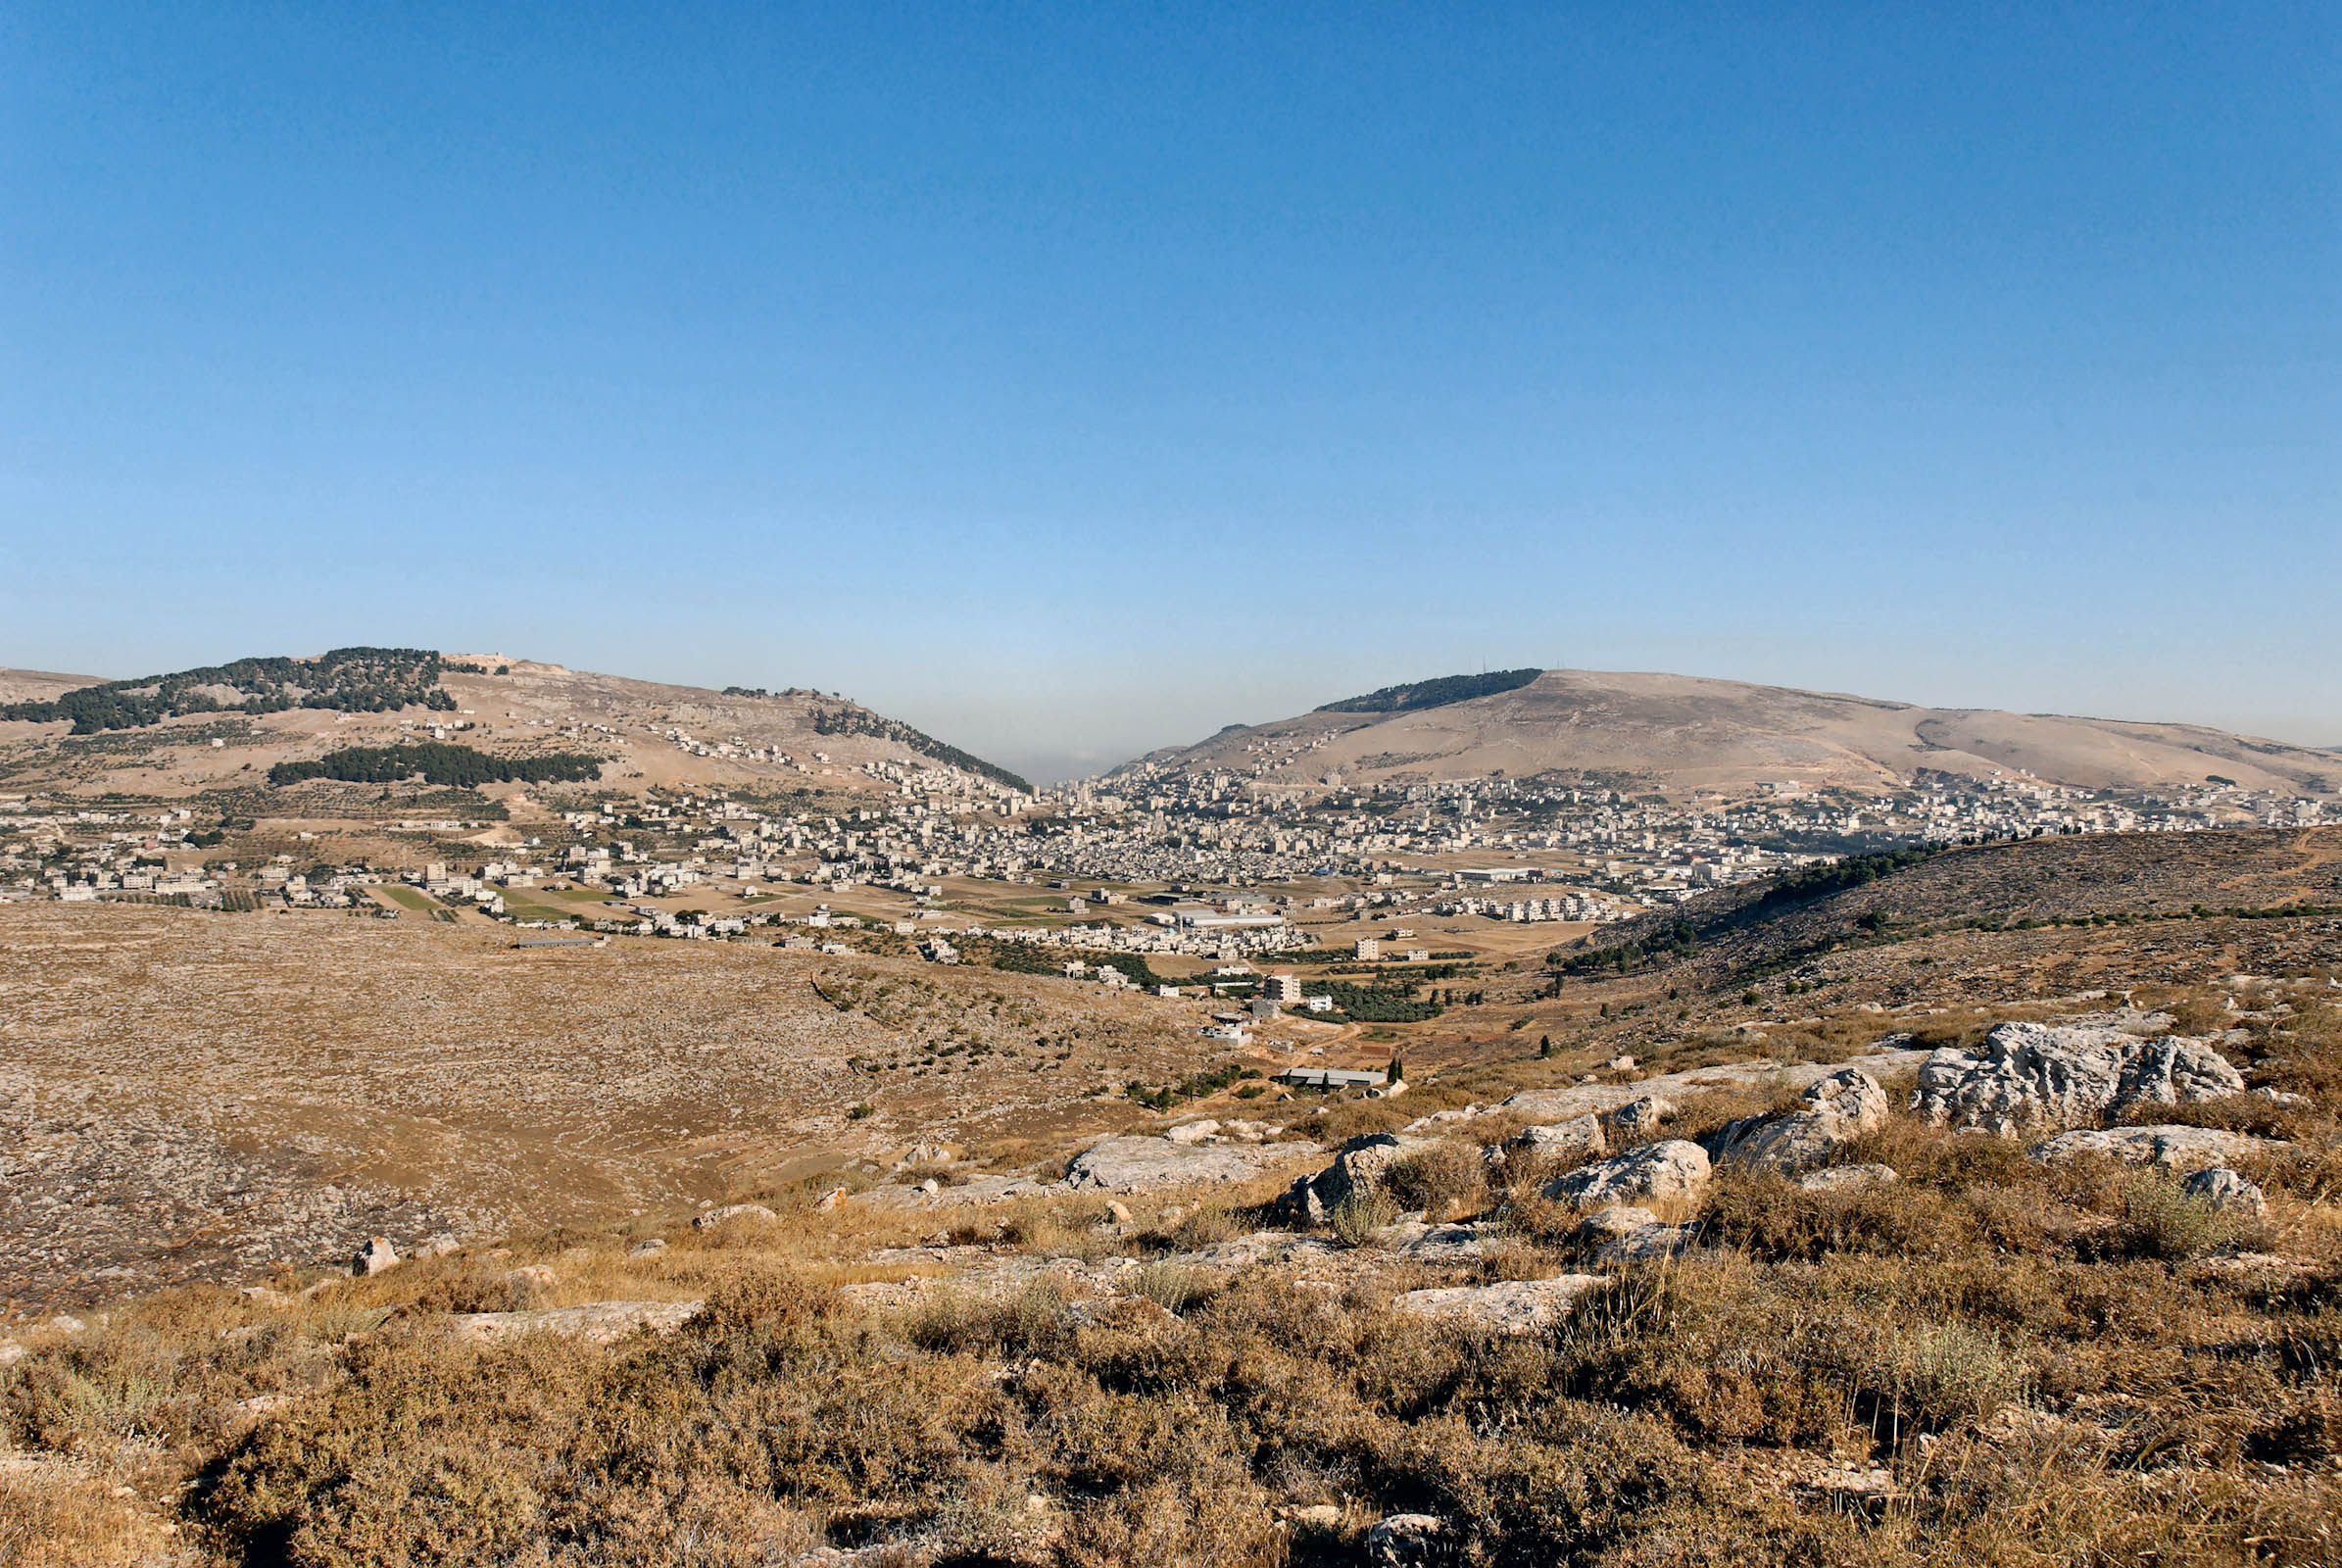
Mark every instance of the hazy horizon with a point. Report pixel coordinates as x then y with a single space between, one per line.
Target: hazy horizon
1075 385
1058 765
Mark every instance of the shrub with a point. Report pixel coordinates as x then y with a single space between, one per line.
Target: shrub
1439 1180
1357 1218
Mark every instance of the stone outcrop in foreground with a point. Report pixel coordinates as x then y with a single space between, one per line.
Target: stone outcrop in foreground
2061 1075
1836 1110
1672 1172
2172 1147
1148 1164
595 1322
1514 1306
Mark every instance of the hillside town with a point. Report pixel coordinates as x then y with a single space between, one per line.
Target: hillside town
1147 860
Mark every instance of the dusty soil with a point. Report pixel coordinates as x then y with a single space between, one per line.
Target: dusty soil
189 1095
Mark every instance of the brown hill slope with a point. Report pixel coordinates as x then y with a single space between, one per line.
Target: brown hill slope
1680 733
41 685
649 734
1868 901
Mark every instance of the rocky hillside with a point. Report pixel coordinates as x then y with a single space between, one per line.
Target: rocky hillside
2073 1283
1681 733
1873 900
215 729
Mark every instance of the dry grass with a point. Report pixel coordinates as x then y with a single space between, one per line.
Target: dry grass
2048 1364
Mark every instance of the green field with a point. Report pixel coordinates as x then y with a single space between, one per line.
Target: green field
408 898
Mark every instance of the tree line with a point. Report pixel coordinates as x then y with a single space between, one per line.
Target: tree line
437 763
351 680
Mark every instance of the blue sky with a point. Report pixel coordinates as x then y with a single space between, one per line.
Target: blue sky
1071 380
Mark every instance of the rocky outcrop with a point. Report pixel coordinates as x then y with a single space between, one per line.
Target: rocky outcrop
711 1218
373 1257
1357 1172
595 1322
2043 1075
1641 1118
2224 1189
1128 1164
1514 1306
1580 1135
2172 1147
1836 1109
1406 1541
1672 1172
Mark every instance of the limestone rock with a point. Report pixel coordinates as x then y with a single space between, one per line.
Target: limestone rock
648 1246
1357 1172
1191 1133
597 1322
1513 1307
2172 1147
373 1257
2224 1189
1846 1178
1838 1109
1669 1172
714 1217
1580 1135
1405 1541
1641 1118
440 1244
1126 1164
2044 1075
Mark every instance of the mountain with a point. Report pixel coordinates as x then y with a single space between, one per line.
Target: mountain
1680 733
282 721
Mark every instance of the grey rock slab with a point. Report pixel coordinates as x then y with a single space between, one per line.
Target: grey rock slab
1261 1248
2172 1146
2225 1189
1511 1306
1670 1171
1358 1171
1580 1135
595 1322
1125 1164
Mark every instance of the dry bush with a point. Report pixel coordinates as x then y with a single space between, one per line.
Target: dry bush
1174 1287
51 1517
2161 1221
1358 1218
1339 1121
1770 1219
1438 1182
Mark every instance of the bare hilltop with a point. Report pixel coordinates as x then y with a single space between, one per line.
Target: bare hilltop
1685 733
